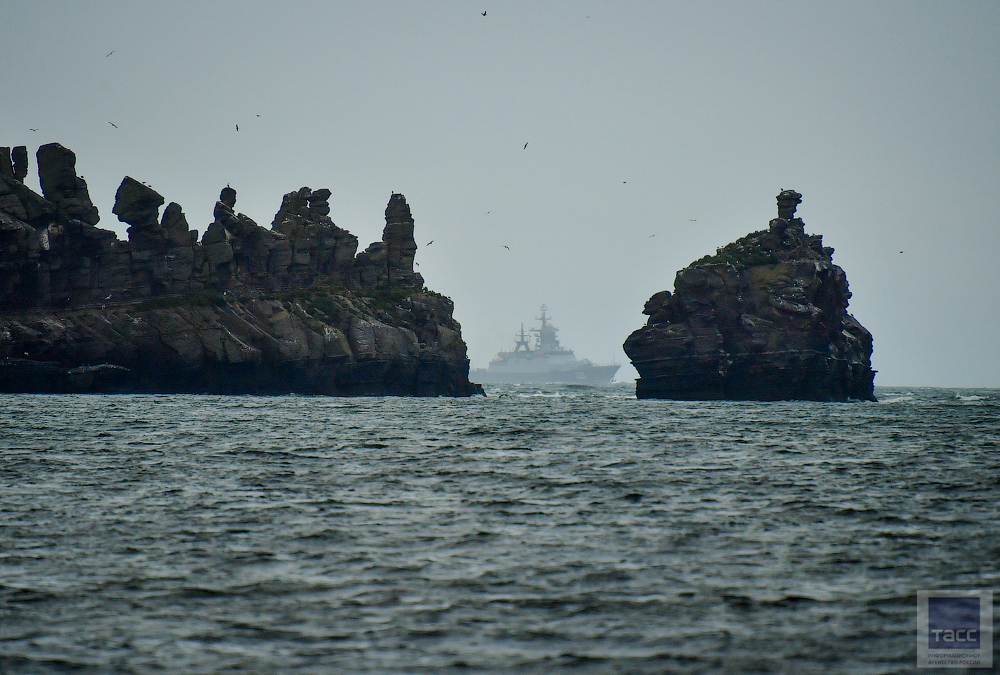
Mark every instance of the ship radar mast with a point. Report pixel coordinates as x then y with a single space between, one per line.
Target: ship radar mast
543 318
522 341
546 341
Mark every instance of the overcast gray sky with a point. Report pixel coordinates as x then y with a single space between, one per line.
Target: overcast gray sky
679 119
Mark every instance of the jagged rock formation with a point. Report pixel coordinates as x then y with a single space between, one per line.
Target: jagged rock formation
245 310
763 319
61 186
311 244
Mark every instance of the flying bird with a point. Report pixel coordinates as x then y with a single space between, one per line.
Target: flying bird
110 53
506 247
113 124
692 220
900 251
484 13
258 115
237 127
525 147
430 242
651 236
487 213
32 129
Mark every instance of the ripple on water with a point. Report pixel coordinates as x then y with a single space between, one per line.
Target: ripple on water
559 528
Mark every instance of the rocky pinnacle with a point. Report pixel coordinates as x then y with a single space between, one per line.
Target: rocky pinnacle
764 318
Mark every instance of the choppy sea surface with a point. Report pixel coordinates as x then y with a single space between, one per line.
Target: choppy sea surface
537 530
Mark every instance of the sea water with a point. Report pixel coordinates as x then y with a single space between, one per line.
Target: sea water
532 531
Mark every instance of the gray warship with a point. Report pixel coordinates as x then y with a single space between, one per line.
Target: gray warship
547 362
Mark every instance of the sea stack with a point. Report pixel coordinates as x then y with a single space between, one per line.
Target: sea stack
765 318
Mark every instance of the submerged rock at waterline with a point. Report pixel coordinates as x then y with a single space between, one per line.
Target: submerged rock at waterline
245 309
763 319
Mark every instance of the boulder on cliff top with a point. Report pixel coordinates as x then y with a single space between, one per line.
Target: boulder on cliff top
765 318
60 184
137 204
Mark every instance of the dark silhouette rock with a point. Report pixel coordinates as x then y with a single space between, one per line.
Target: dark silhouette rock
175 226
245 310
389 263
319 203
788 201
19 159
60 184
764 319
6 165
228 197
139 206
400 247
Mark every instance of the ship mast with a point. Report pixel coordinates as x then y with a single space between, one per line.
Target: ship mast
542 318
546 341
522 341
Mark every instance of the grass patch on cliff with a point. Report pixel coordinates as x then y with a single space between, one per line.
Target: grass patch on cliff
322 299
324 304
737 257
389 296
435 294
331 287
752 250
332 302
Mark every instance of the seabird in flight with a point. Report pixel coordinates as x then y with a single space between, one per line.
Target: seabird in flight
237 127
32 129
525 147
506 247
430 242
113 124
484 12
110 53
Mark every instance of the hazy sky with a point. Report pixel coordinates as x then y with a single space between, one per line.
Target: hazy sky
639 117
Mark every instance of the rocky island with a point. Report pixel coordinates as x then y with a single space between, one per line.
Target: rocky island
245 309
765 318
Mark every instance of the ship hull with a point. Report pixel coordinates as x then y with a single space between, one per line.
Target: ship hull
583 374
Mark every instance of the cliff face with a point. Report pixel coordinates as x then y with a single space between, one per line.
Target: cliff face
763 319
244 310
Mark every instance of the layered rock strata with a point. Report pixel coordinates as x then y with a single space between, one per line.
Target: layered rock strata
763 319
245 309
